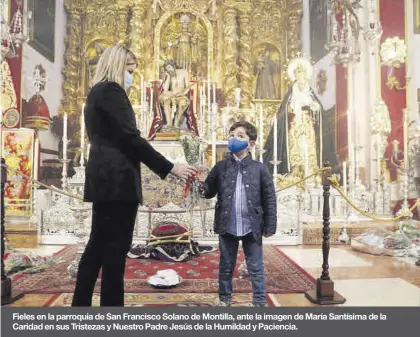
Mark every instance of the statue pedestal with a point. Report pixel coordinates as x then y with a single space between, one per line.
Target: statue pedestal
172 150
167 136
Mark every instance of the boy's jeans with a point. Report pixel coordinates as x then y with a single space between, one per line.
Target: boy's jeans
228 245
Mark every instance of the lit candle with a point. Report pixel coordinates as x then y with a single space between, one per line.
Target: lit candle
144 98
275 145
209 96
261 133
209 108
142 93
378 158
36 159
349 135
201 110
345 176
151 108
405 116
88 151
238 97
214 93
253 152
305 144
65 136
226 118
395 145
82 136
214 138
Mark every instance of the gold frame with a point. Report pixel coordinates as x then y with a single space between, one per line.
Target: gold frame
416 13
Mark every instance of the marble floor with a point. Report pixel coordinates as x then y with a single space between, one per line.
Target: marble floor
364 280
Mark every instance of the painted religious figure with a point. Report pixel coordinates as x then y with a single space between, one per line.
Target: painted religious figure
17 149
42 27
186 46
319 28
304 139
265 70
93 53
174 111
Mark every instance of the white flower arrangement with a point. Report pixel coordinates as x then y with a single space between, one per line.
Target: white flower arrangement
380 121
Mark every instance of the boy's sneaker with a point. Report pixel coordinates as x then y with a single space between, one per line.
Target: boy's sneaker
223 304
260 305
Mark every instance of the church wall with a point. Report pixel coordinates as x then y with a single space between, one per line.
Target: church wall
413 65
53 92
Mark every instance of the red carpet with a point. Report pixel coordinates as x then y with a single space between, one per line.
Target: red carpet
200 275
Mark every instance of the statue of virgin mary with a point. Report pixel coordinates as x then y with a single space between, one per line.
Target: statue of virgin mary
304 138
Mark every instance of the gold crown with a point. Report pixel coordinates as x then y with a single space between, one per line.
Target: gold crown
299 68
297 65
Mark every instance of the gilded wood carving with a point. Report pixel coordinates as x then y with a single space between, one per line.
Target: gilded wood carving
224 37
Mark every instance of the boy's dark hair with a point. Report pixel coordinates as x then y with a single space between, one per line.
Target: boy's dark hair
250 129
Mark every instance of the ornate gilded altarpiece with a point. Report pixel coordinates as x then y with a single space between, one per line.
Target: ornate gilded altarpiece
228 35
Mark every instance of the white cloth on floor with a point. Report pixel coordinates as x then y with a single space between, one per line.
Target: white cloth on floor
168 277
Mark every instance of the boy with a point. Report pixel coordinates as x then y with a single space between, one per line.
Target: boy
246 210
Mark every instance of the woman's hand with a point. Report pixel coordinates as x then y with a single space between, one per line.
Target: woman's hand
183 171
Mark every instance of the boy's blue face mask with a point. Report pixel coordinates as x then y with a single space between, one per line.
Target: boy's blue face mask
128 80
236 145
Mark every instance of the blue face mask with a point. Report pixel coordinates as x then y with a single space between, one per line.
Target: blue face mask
128 80
236 145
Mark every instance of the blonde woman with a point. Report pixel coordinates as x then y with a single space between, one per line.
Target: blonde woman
113 181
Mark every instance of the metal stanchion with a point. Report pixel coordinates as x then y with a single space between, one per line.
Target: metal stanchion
7 296
324 293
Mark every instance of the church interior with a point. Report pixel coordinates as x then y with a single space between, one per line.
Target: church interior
333 89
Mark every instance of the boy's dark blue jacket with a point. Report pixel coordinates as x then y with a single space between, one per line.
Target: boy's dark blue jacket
260 193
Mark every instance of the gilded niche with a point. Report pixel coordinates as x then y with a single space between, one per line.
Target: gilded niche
234 44
184 39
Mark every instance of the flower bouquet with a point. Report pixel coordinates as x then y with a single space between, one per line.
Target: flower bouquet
194 148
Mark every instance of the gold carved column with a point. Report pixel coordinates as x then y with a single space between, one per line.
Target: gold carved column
230 66
73 59
294 17
137 43
245 54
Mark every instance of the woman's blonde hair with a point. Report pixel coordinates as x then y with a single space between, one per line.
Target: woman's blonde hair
111 65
